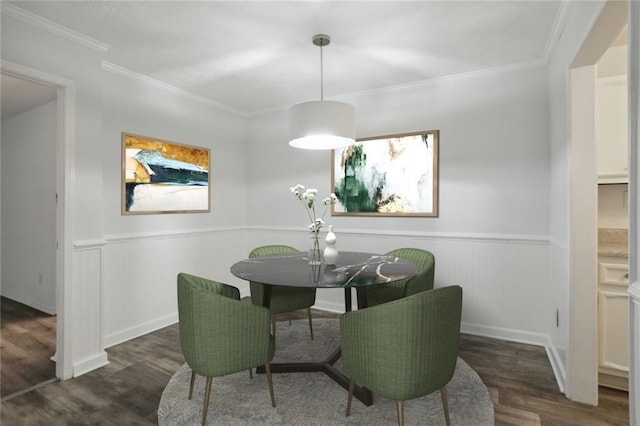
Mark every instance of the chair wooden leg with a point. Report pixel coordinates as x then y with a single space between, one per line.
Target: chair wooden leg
193 380
310 323
251 374
267 369
352 384
445 405
399 408
207 394
273 325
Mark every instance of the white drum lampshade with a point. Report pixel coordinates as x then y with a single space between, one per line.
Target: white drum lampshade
322 125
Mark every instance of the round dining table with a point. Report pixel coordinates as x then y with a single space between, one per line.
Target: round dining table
352 270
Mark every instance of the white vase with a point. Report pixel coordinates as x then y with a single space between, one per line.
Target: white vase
330 252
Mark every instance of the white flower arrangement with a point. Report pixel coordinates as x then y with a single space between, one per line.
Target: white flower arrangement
308 198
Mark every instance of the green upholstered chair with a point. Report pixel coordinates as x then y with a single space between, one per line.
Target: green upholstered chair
219 334
423 280
404 349
283 299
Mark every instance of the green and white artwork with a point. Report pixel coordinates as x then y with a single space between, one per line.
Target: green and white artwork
395 175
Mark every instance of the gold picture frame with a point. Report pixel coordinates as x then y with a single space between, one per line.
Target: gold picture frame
391 175
160 176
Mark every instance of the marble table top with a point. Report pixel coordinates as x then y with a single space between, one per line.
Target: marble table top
352 269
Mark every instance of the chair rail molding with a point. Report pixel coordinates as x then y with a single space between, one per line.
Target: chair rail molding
377 233
130 237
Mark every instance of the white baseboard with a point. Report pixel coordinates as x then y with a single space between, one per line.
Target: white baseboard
140 330
90 364
557 365
511 335
26 301
538 339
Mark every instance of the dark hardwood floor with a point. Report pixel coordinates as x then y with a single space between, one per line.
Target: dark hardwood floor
524 389
128 390
27 342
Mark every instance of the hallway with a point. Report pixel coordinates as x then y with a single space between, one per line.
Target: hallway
27 342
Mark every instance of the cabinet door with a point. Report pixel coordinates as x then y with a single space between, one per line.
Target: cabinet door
611 130
613 274
613 313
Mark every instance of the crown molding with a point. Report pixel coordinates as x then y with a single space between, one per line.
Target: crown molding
552 42
471 75
117 69
557 30
50 26
54 28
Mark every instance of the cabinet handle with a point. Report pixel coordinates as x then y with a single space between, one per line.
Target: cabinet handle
626 276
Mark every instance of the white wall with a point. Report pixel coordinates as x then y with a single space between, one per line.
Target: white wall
613 62
613 206
29 207
493 156
122 277
559 255
559 204
502 232
38 49
142 254
568 357
491 233
583 238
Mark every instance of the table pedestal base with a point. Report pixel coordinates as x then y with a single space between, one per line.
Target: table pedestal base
360 392
363 394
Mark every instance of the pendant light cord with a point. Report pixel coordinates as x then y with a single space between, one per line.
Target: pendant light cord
321 76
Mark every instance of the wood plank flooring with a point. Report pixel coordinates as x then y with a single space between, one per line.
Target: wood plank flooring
128 390
524 389
27 342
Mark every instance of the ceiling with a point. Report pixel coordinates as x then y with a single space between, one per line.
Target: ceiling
20 95
253 57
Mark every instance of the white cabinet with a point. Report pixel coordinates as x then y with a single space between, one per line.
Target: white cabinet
613 323
611 129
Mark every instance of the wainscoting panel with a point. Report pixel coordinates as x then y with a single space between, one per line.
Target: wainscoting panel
504 278
140 273
87 316
558 327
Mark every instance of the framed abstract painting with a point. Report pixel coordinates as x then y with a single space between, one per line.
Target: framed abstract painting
393 175
163 177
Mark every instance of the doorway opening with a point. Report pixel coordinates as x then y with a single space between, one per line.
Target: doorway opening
51 292
585 296
28 261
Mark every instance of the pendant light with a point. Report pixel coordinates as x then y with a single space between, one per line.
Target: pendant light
321 124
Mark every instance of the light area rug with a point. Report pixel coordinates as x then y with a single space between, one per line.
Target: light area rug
314 398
